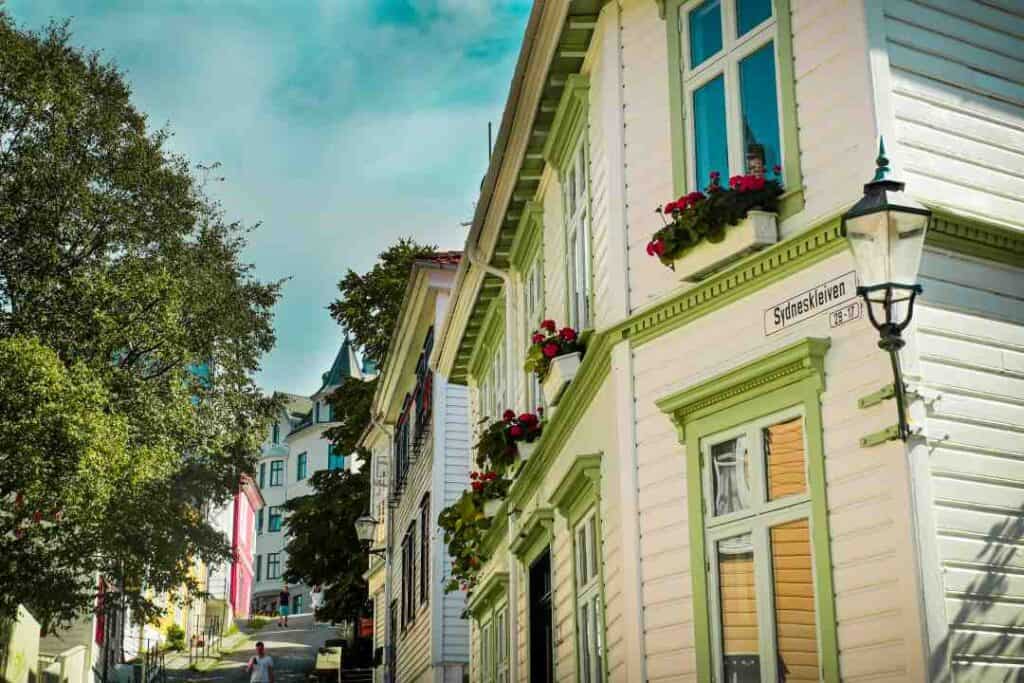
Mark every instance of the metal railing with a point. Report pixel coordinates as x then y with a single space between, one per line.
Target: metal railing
207 635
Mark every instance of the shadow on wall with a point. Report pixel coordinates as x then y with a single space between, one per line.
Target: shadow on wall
989 626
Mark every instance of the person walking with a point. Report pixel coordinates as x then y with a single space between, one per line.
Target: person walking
316 598
261 667
283 602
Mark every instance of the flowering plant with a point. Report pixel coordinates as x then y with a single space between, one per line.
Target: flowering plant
496 448
549 342
699 216
489 485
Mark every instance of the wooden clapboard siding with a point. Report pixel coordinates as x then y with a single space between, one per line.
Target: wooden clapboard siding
786 463
793 585
970 358
456 465
875 583
957 80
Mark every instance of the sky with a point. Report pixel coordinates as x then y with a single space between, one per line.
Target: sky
340 125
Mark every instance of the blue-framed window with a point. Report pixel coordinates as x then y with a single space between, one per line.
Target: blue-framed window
259 567
263 474
273 566
335 461
274 519
276 434
300 467
259 521
277 473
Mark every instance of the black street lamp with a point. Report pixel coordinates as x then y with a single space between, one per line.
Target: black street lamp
366 532
886 230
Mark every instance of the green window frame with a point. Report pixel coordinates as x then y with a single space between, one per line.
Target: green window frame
684 81
263 475
778 387
259 567
275 519
301 466
488 606
277 473
273 566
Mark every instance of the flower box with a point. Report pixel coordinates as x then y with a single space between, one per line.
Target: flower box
491 506
560 373
526 449
758 230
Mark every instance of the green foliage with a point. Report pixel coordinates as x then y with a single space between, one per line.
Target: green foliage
697 217
175 637
370 303
120 278
322 544
465 525
351 403
547 343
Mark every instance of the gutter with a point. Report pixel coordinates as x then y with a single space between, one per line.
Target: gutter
506 283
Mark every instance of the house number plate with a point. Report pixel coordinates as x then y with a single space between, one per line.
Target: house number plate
844 314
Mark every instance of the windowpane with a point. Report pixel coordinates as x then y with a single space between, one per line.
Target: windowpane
711 147
760 110
750 13
784 458
793 585
738 609
581 554
595 612
730 475
592 537
705 31
584 628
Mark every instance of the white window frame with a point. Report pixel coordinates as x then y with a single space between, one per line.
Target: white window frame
757 520
575 181
589 610
726 61
533 314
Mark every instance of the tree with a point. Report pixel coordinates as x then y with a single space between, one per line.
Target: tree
370 303
125 283
350 405
322 544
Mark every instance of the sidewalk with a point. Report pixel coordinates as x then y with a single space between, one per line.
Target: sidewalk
179 661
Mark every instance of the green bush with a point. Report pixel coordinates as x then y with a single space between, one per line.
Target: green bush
175 637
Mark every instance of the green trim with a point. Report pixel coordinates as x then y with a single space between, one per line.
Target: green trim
488 594
792 202
876 397
529 236
491 334
534 535
794 375
496 533
741 280
573 404
974 238
570 119
890 433
579 488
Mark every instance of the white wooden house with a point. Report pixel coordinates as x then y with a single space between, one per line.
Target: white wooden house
419 446
732 472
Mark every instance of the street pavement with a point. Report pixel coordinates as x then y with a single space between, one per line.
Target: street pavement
293 649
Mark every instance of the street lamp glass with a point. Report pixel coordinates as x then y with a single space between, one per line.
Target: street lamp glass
366 527
887 245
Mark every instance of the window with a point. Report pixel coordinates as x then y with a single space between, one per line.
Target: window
409 576
273 566
259 567
274 519
589 628
576 208
486 646
533 306
402 444
316 407
425 527
758 536
263 475
730 88
492 390
541 629
297 605
334 460
276 437
300 467
501 646
259 521
277 473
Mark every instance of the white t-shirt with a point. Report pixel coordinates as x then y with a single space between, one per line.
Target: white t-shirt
261 669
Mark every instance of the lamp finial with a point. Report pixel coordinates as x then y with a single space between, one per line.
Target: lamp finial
881 162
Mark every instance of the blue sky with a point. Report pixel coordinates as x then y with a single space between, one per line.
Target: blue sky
341 125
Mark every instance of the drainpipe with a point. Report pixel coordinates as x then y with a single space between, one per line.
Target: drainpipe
389 676
476 259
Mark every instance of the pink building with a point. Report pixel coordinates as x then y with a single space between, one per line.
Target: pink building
247 501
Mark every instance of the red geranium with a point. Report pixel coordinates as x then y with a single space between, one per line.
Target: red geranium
550 350
515 431
548 325
567 334
537 338
509 415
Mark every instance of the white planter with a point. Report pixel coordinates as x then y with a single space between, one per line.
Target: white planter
491 506
756 231
560 373
525 450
